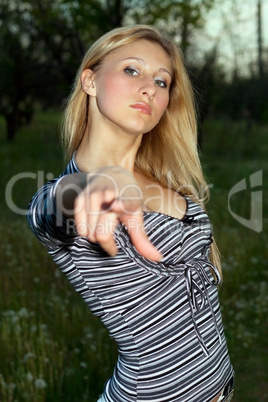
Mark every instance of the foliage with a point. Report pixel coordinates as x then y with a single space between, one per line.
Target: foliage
41 45
243 97
17 61
43 42
52 348
179 19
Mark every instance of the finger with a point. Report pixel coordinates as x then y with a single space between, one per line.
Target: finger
86 214
104 232
99 204
139 238
80 217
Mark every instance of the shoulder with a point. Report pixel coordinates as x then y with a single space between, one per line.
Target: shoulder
162 200
71 166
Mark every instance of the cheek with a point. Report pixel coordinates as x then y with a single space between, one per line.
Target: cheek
162 103
113 80
113 91
107 88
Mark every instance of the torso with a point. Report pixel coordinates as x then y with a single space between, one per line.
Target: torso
164 316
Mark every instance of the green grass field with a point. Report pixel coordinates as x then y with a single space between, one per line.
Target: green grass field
52 348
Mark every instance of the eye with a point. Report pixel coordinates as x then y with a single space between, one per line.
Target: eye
130 71
160 83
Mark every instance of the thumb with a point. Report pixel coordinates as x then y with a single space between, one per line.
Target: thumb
139 238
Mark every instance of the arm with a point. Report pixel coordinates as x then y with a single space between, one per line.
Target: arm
98 201
46 221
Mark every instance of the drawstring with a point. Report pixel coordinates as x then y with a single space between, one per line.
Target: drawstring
193 289
188 269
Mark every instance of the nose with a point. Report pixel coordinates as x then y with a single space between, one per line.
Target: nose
148 87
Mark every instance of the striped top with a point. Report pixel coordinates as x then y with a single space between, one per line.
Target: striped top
165 317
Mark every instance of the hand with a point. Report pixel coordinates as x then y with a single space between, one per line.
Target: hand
112 195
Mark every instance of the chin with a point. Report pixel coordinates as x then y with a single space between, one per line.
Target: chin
140 129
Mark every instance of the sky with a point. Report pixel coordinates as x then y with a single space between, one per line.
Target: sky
233 25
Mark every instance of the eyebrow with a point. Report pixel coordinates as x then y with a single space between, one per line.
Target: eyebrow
162 69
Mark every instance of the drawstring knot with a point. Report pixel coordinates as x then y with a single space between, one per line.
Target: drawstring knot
198 296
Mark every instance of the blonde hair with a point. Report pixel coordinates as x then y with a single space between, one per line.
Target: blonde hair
168 154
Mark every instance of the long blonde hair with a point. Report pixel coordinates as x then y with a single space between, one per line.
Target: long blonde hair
168 154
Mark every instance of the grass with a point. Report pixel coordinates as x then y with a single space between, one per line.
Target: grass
230 154
52 348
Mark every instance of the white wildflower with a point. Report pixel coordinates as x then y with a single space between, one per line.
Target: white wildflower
255 260
29 376
83 365
40 383
57 273
93 347
43 327
9 313
14 319
11 386
23 313
28 356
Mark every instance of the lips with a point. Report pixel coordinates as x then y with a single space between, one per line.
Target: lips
142 107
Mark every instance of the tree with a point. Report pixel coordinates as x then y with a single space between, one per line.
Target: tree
16 64
260 38
42 42
41 45
179 18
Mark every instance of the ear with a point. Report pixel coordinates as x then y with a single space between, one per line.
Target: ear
87 82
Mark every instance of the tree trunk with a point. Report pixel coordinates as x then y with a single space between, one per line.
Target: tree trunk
260 45
11 125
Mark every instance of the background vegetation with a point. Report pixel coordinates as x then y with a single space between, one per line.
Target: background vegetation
51 347
43 41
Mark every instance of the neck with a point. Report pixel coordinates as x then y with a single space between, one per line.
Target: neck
101 147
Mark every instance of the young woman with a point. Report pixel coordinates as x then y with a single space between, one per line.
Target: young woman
125 221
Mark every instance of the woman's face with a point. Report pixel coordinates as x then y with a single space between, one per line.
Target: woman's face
131 88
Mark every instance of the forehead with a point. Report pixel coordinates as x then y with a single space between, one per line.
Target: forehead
145 50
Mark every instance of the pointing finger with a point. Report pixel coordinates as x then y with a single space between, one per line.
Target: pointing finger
139 238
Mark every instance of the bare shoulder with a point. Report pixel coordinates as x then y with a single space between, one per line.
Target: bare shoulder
162 200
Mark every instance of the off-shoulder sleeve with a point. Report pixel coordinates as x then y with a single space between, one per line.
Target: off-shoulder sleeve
45 219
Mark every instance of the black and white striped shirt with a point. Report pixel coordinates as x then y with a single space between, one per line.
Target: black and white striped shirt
165 317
